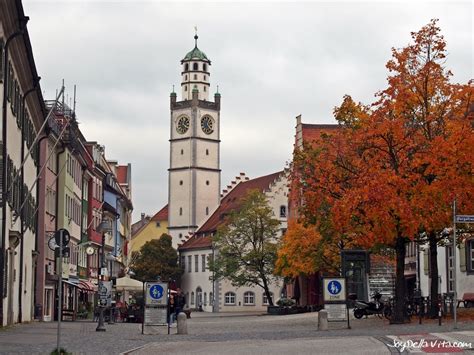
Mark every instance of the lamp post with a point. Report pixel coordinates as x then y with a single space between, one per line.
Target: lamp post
103 228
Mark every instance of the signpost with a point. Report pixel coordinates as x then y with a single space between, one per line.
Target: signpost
156 304
335 299
457 219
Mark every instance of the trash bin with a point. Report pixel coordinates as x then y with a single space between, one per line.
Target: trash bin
38 311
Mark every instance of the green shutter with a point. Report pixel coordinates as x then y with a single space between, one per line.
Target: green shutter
462 256
426 265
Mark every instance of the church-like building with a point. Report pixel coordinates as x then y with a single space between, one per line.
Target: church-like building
196 206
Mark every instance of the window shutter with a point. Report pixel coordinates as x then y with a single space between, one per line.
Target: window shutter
462 256
426 265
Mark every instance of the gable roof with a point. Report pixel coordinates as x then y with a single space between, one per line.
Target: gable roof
161 215
312 132
230 202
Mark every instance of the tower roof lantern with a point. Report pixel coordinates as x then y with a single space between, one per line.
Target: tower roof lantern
196 53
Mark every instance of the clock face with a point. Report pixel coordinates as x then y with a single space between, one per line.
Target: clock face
182 125
90 250
207 125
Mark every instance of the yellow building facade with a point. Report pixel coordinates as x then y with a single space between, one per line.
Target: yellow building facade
151 229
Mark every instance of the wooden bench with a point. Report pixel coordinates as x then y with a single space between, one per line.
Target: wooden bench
69 313
467 299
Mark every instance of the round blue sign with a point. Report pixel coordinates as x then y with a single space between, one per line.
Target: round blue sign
156 292
334 287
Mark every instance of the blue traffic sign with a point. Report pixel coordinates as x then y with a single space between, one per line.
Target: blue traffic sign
156 292
334 287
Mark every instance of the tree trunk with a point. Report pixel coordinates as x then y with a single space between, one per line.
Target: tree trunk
267 291
434 287
398 315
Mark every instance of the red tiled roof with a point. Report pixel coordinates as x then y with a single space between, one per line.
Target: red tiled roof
197 242
313 132
161 215
122 174
232 200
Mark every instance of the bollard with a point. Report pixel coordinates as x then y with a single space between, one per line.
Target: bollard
182 326
440 313
323 320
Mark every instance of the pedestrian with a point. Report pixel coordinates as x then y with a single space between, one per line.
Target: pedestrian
179 302
172 309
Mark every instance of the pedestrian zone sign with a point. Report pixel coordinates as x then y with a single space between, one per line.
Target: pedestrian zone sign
334 289
156 294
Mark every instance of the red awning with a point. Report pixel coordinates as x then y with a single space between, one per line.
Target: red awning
87 286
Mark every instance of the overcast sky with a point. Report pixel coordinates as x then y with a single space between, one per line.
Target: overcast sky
271 60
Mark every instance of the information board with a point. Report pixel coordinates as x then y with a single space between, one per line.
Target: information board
336 311
156 316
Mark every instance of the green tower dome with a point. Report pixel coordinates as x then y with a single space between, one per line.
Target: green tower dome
196 53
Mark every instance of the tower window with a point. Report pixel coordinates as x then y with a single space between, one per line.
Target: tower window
186 67
195 77
195 66
181 211
204 77
185 88
207 182
207 151
185 77
207 211
204 67
181 182
182 151
204 88
180 235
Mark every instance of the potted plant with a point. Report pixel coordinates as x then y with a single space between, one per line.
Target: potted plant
284 306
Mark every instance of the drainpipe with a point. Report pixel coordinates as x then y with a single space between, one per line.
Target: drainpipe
22 181
3 228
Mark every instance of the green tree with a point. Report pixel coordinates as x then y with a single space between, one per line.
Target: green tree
156 258
247 244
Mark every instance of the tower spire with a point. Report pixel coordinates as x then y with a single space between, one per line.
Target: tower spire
195 36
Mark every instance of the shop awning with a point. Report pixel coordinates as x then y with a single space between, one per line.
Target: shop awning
87 286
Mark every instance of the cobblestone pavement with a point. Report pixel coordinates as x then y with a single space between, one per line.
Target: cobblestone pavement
230 333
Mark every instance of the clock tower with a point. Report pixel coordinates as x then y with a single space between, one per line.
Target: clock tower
194 173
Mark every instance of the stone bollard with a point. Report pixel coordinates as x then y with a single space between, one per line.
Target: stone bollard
182 326
323 320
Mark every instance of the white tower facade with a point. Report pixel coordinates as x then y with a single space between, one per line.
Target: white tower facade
194 173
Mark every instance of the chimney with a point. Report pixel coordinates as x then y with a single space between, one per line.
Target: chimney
143 216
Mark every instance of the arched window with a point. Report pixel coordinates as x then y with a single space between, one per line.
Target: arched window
249 298
265 299
204 67
195 66
282 211
195 77
192 298
199 297
211 300
205 298
186 67
185 88
229 298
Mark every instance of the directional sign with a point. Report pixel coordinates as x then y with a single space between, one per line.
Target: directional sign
65 234
465 218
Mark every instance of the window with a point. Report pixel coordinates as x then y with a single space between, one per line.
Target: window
249 298
203 261
204 75
182 151
185 77
207 211
207 151
282 211
186 67
183 262
185 88
180 235
195 66
265 299
192 298
195 77
204 67
204 88
205 298
207 182
196 263
211 300
190 260
199 297
181 211
181 182
158 224
229 298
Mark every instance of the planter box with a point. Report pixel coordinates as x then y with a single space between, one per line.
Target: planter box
277 310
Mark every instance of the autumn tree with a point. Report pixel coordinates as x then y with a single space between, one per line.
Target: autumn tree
395 166
246 245
156 259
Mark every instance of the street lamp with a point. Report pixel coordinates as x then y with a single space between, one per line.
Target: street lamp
104 227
